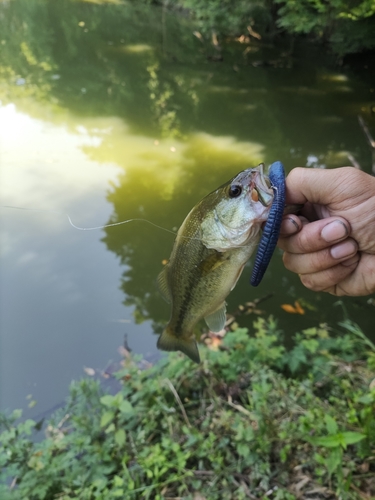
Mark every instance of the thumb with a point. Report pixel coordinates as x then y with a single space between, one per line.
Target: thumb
315 185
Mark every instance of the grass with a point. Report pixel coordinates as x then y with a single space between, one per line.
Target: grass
253 420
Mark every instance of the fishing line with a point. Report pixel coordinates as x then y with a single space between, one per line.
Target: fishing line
87 228
94 228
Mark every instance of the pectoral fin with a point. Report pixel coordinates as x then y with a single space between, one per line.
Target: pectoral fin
169 342
213 261
216 320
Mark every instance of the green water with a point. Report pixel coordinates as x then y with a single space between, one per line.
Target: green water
112 112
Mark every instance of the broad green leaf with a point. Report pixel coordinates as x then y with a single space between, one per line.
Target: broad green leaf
110 428
331 424
118 493
327 441
118 481
35 463
120 440
107 417
107 400
366 399
27 427
126 407
99 483
296 357
310 332
311 345
243 449
319 458
334 459
16 414
352 437
342 438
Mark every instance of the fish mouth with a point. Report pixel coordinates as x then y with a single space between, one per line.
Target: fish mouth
261 189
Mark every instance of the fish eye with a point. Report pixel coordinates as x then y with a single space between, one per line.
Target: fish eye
235 191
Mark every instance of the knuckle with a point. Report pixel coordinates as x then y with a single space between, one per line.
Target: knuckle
308 281
320 261
327 281
306 241
288 261
282 243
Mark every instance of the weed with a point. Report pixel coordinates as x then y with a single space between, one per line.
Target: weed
251 421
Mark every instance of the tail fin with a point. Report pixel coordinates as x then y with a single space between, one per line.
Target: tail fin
169 342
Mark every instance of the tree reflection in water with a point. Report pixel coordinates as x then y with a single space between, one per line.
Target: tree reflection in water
140 84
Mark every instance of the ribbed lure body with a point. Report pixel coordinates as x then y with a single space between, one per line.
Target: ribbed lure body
271 229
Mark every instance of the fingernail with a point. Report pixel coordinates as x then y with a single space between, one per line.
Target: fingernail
334 231
344 249
289 226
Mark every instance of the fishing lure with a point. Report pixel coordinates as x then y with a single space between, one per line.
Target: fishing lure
271 229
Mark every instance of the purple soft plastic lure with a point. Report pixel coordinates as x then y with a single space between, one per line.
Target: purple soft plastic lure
271 229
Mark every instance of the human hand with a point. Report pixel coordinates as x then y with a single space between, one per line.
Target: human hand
332 244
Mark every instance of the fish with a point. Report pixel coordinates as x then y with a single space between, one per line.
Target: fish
211 248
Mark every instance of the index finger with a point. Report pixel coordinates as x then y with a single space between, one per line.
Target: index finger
315 236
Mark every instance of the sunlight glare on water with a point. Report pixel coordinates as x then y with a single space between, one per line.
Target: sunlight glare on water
41 159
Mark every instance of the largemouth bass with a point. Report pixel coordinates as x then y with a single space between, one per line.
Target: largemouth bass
211 249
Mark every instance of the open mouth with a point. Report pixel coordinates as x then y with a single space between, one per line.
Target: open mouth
262 190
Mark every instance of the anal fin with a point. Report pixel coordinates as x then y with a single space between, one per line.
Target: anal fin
216 320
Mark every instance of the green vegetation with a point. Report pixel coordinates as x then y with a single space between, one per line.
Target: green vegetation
347 26
254 420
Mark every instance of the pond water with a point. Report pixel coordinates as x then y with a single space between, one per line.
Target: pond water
111 112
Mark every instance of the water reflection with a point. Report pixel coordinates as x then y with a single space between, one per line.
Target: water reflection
113 111
49 327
